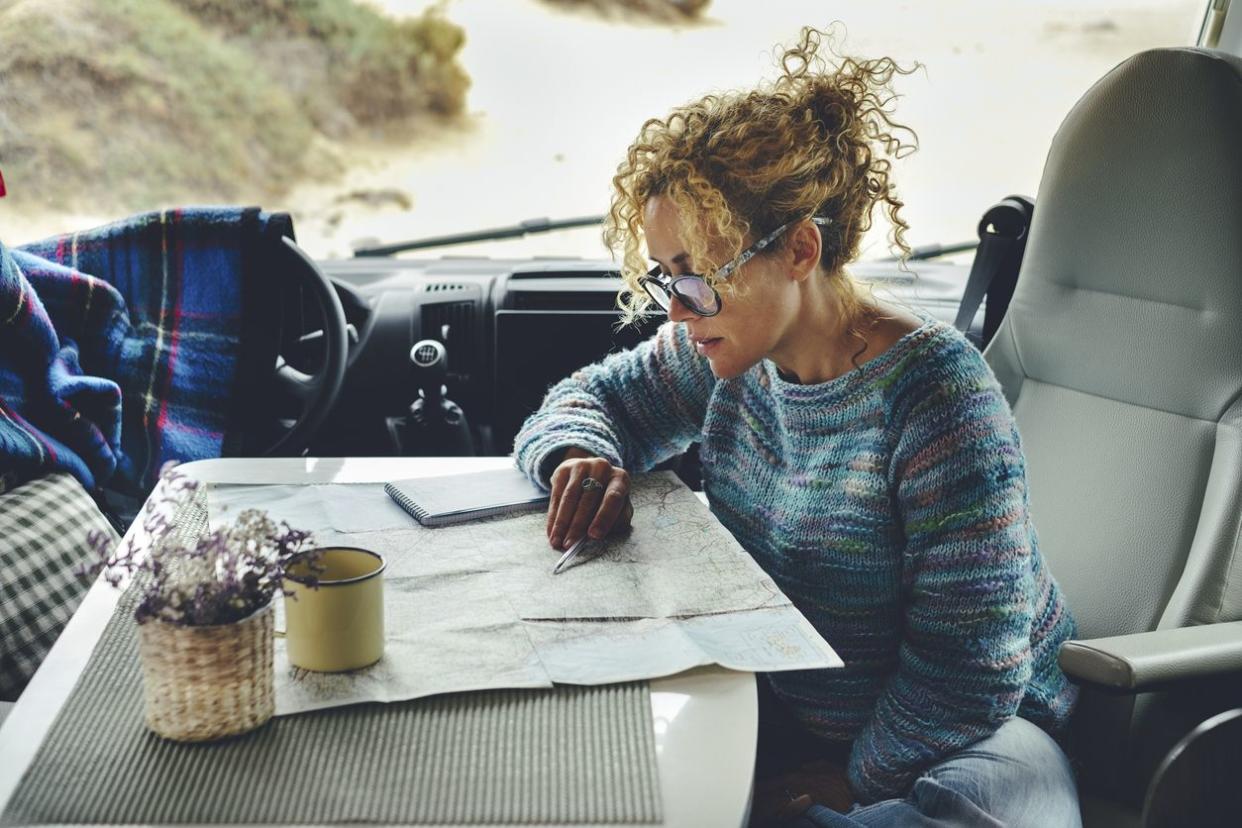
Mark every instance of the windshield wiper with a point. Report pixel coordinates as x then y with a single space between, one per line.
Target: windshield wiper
544 225
933 251
539 225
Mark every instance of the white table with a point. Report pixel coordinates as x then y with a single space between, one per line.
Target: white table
705 719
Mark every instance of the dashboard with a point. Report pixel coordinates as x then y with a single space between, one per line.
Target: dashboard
509 330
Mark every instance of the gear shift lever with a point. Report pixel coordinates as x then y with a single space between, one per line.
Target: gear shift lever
435 424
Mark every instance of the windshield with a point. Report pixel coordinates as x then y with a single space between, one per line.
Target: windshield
556 92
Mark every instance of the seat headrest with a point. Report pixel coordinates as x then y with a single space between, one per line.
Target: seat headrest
1138 225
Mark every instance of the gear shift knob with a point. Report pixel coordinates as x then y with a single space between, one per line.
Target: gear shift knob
430 361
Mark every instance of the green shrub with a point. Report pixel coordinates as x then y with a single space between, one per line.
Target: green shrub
131 103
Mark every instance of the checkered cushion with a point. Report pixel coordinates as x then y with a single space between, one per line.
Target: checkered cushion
43 529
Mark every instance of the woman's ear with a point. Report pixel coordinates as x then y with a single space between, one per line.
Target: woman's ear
803 248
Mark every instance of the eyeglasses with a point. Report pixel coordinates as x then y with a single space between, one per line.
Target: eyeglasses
692 289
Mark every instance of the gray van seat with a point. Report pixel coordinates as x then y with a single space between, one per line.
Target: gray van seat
1121 356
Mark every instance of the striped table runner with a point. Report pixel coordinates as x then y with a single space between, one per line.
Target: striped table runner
567 755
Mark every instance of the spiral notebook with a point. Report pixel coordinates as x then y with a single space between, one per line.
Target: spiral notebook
436 501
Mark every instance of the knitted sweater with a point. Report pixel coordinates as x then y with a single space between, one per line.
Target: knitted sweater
890 505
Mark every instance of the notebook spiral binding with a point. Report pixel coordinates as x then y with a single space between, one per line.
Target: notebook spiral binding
406 503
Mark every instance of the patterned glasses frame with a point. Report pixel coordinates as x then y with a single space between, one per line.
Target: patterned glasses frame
692 289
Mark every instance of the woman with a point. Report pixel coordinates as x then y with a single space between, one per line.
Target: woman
863 455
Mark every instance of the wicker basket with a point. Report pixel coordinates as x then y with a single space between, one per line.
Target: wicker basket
203 683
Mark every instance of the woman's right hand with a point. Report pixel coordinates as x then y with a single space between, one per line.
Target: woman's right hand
594 511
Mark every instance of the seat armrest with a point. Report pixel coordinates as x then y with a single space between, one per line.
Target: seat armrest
1137 662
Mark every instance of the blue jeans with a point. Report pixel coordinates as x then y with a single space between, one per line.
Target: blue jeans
1016 777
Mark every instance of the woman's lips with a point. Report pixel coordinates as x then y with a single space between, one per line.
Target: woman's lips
707 345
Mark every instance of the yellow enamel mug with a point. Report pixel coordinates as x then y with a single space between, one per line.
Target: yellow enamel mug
340 625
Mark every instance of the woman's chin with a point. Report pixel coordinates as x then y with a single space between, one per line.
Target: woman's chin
724 368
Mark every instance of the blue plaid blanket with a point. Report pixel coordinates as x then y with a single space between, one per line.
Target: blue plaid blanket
121 347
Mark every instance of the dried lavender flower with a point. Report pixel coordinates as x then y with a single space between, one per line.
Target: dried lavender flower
218 578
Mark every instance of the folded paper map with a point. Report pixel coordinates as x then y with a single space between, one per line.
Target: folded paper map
475 606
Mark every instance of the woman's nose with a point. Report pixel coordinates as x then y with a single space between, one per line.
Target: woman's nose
678 312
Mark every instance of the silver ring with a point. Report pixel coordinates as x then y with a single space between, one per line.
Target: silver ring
590 484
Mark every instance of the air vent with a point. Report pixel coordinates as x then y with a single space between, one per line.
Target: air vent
436 287
462 341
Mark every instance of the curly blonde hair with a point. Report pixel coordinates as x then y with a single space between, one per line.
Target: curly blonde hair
816 142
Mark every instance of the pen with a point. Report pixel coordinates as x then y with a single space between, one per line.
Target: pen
569 554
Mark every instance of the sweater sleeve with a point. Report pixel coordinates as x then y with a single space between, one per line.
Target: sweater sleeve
959 479
635 408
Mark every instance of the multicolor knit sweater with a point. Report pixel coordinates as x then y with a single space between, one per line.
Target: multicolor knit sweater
890 504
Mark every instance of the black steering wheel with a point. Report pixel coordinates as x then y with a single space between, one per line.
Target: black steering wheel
315 393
